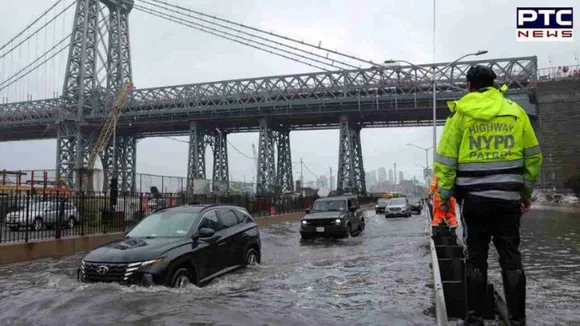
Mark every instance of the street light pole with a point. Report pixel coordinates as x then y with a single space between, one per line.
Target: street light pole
435 87
426 154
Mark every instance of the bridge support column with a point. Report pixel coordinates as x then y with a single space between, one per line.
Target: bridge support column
122 163
78 93
284 177
196 159
266 174
220 161
351 175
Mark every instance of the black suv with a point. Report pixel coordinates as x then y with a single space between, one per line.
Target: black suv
178 246
333 216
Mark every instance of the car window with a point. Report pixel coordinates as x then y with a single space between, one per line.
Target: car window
165 224
228 218
398 201
242 216
210 220
338 205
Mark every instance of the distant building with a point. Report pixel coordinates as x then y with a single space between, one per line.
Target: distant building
401 176
382 175
322 182
391 176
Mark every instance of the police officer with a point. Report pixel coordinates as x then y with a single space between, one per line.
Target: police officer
489 157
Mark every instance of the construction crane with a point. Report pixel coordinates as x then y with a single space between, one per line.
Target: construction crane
108 131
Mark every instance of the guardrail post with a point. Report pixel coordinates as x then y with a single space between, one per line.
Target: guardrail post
27 215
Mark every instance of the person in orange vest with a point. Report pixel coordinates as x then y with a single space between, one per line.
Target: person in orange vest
439 214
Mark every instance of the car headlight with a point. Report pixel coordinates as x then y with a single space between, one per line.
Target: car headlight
338 221
376 206
304 222
131 268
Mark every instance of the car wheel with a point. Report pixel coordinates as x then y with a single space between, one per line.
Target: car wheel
252 257
181 278
71 222
348 231
361 227
37 224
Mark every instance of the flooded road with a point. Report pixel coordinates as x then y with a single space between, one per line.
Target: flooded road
551 255
379 278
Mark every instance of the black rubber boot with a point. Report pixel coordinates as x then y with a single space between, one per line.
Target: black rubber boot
514 287
434 231
476 288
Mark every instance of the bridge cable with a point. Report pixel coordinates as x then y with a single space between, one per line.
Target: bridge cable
256 36
319 47
29 25
192 25
37 31
33 62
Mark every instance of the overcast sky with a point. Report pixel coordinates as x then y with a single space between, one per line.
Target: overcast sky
165 53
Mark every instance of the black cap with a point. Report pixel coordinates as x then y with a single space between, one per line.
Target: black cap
478 73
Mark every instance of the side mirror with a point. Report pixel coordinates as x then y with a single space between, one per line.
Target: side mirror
307 211
205 232
352 209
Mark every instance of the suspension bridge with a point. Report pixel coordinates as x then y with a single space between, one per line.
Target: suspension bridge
344 92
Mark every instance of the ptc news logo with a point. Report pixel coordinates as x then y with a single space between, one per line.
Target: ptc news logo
545 24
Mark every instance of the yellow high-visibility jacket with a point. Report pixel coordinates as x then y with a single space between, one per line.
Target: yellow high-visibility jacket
488 148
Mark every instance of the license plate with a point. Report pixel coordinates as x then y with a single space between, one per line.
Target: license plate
320 229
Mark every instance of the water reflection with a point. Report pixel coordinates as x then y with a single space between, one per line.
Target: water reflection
551 253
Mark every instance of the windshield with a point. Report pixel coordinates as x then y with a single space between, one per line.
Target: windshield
383 201
329 205
398 201
168 224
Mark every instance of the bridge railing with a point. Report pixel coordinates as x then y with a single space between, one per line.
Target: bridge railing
558 73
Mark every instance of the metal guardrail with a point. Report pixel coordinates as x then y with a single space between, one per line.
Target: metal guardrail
439 295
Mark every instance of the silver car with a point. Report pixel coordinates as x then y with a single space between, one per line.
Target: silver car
398 207
40 214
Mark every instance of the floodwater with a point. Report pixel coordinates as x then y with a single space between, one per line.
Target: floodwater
551 255
379 278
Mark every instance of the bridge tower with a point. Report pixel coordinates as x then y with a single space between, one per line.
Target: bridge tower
83 95
271 177
199 138
351 174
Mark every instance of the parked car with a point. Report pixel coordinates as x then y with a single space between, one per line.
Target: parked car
381 205
339 216
42 213
415 205
398 207
189 244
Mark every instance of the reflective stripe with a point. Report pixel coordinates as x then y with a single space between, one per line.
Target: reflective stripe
445 160
532 150
499 194
498 178
445 193
490 165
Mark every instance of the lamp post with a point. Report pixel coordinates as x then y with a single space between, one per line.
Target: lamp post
426 156
435 86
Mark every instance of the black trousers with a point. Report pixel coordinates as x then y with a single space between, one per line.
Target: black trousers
485 219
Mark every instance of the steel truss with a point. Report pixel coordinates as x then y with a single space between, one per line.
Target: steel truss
351 173
284 177
119 72
218 142
397 83
199 138
79 85
274 178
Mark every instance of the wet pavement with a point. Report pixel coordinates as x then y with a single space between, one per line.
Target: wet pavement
550 245
379 278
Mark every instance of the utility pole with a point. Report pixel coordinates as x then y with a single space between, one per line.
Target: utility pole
331 181
301 173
